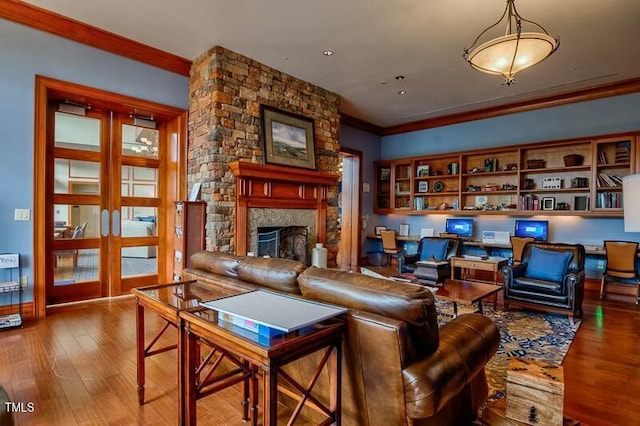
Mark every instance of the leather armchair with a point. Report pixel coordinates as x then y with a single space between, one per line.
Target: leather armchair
454 248
562 296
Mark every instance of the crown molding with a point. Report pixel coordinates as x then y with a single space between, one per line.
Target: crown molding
44 20
359 124
587 94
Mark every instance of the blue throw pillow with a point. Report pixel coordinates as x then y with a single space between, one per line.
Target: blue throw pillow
437 248
547 265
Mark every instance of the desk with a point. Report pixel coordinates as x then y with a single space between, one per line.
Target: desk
270 357
590 249
167 301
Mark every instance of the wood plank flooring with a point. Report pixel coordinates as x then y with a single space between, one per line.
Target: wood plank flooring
78 367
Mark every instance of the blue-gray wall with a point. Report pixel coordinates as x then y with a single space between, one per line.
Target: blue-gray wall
25 52
592 118
369 145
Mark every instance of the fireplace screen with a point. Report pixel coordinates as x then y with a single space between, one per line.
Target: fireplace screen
287 242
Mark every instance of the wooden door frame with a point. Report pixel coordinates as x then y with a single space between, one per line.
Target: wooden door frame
48 89
356 187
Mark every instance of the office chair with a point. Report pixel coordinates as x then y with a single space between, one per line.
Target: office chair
517 245
389 246
621 265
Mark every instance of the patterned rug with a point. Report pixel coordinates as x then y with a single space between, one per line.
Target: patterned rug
528 334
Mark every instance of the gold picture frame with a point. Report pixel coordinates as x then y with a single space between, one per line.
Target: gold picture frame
287 139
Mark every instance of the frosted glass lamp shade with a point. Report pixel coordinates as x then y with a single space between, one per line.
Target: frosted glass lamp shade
511 54
631 202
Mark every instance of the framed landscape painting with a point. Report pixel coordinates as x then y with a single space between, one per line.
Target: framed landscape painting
288 139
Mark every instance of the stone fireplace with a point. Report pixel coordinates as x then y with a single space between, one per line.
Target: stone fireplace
226 91
276 218
275 197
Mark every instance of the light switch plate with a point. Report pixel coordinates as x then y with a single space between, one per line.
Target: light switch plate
22 214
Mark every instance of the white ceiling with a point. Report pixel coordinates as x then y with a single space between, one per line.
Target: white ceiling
375 40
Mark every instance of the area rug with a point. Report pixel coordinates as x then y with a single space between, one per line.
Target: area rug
527 334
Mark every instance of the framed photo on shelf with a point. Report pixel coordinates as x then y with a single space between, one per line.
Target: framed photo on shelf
548 203
423 186
288 139
422 171
404 230
385 173
379 229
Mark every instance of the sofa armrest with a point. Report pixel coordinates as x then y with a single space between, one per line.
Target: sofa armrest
466 344
510 272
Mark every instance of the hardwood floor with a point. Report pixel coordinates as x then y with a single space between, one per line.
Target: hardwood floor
78 366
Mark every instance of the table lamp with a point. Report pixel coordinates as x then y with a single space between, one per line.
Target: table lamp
631 202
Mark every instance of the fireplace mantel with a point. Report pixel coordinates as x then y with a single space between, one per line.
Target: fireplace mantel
271 186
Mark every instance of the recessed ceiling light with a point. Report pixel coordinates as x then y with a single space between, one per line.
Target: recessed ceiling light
327 52
399 77
402 92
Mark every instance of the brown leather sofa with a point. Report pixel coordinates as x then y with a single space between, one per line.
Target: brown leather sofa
399 368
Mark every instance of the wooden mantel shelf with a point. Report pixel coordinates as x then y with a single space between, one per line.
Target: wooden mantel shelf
273 173
278 187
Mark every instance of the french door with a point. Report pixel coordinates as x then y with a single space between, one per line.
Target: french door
108 178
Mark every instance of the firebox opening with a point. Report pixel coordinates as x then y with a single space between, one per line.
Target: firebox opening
287 242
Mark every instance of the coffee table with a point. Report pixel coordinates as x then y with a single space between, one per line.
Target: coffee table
458 291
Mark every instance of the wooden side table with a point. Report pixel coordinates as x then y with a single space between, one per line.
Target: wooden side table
166 301
491 264
268 355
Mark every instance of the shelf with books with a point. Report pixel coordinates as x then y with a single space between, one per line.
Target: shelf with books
613 162
570 174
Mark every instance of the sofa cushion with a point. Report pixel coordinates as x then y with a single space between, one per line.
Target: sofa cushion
216 262
437 248
276 274
547 265
536 286
411 303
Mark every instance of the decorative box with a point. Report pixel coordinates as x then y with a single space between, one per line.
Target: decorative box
535 392
573 160
535 164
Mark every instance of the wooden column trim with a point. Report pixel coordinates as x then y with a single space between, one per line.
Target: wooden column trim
271 186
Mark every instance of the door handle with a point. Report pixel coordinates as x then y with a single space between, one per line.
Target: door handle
104 223
115 223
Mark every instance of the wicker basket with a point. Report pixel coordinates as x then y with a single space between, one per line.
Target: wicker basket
573 160
535 164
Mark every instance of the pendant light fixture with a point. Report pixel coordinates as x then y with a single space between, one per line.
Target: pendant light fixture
513 52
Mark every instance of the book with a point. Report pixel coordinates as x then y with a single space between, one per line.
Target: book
10 320
272 310
8 286
475 257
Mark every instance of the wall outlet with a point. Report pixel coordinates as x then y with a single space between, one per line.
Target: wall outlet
24 281
600 265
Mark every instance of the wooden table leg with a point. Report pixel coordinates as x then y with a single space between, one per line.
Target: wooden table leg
254 395
246 384
140 350
191 362
270 397
335 366
182 373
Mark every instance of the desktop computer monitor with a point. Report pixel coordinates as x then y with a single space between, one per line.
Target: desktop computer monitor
462 227
538 229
